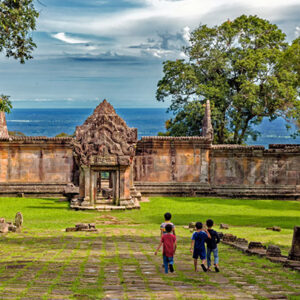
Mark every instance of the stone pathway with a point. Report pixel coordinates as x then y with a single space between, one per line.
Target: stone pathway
119 263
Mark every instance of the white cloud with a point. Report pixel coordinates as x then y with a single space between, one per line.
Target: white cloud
183 55
297 31
62 37
186 34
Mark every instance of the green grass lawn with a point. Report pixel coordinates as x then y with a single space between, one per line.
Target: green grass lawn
44 213
246 218
45 260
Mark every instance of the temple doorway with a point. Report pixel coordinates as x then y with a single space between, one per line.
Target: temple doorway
105 184
106 190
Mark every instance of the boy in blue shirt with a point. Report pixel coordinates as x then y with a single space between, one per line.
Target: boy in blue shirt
198 245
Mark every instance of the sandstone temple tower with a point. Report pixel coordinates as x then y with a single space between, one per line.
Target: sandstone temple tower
105 145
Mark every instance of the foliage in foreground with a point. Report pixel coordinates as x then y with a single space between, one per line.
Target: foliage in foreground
17 20
245 68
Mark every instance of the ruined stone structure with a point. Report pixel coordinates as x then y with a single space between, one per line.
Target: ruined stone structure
104 143
107 165
295 250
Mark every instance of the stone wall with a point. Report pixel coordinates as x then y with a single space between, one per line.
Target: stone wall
189 166
255 171
162 166
35 165
172 165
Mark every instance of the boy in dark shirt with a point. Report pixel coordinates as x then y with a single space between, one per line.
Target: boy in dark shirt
212 246
168 240
198 245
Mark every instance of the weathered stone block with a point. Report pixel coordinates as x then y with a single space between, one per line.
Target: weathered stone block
227 237
273 251
12 228
4 227
81 226
274 228
71 229
192 225
256 245
241 241
224 226
19 220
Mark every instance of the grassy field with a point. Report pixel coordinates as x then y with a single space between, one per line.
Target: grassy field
45 262
246 218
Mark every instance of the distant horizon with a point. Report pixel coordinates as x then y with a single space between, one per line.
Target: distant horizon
86 107
68 104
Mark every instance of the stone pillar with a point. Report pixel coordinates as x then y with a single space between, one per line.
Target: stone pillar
110 180
93 187
295 250
84 186
207 129
117 187
3 127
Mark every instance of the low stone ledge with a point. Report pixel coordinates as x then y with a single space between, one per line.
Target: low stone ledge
272 253
35 138
175 138
87 227
284 146
236 147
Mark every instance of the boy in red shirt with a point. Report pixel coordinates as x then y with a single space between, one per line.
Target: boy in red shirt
168 240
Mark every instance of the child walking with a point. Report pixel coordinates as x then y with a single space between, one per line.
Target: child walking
167 221
212 246
168 240
198 245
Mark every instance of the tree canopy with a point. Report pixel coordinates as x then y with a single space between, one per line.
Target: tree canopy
244 67
17 20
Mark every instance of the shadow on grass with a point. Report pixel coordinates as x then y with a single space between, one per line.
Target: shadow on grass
233 219
254 203
49 207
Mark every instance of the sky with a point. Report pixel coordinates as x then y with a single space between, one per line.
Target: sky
90 50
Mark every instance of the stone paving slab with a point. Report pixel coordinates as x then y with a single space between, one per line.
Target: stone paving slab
120 264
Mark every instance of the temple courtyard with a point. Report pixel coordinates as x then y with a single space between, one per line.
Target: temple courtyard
43 261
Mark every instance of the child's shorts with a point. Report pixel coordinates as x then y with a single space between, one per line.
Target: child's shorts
199 253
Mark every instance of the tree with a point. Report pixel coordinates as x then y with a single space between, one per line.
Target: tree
17 20
63 134
243 68
16 133
5 104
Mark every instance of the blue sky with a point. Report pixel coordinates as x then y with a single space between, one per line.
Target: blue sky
88 50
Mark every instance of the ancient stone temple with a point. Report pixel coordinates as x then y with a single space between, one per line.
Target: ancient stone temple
105 146
106 167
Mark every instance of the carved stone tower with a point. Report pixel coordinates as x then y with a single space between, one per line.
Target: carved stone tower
104 147
3 127
207 129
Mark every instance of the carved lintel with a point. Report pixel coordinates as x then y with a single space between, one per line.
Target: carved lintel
103 160
124 160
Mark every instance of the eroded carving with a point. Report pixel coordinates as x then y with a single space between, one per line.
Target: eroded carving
104 138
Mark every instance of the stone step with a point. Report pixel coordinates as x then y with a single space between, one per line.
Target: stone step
109 207
104 201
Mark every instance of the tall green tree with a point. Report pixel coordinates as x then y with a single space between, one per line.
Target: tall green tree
17 20
244 68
